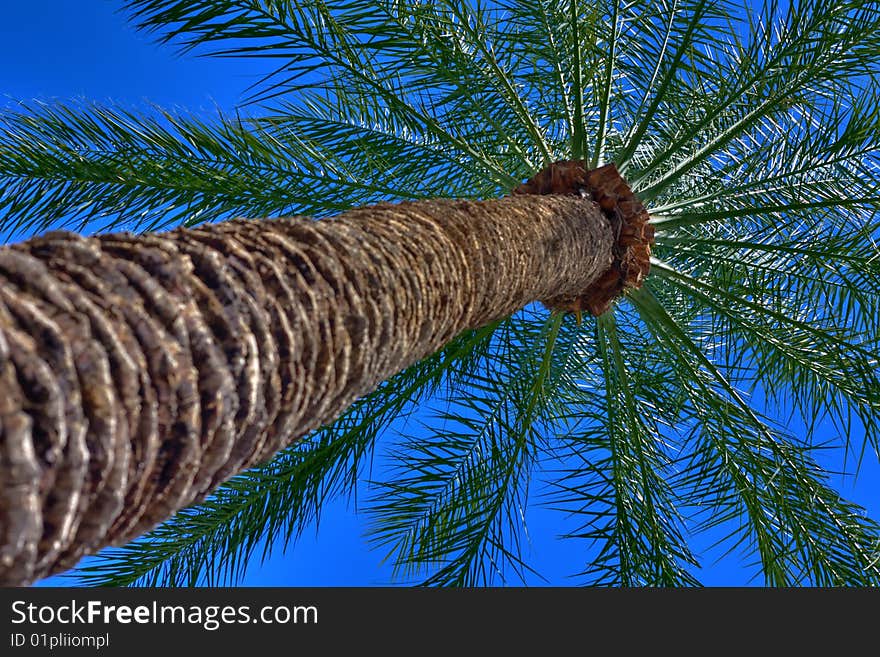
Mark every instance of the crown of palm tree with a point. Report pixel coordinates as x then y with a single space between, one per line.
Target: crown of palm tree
752 138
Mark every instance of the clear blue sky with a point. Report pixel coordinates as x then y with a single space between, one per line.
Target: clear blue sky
83 48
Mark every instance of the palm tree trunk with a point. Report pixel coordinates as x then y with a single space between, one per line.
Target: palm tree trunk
139 372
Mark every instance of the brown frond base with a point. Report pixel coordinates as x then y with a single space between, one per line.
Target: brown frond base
629 223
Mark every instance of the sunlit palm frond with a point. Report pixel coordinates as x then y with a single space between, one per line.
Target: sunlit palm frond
619 465
105 168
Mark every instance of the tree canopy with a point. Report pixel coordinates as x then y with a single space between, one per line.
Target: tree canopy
752 136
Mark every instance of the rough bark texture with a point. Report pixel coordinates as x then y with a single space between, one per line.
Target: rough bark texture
634 236
139 372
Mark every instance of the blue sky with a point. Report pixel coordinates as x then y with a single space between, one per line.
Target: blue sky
84 48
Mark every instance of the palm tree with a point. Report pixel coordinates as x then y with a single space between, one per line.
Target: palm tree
752 139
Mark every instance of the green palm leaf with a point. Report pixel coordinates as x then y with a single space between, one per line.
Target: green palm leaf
753 136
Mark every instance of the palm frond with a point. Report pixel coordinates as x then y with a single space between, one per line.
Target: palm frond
619 472
82 165
453 507
768 485
793 59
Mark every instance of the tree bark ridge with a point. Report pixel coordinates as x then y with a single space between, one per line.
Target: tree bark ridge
137 373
